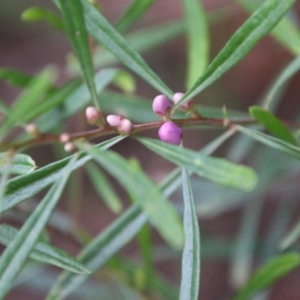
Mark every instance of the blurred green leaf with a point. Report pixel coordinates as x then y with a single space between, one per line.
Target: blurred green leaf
144 193
77 100
25 186
291 237
271 123
104 188
105 34
198 39
285 32
35 13
125 81
72 12
15 77
36 88
240 44
132 14
20 164
16 253
99 250
115 236
269 274
44 252
190 271
215 169
55 99
282 79
271 141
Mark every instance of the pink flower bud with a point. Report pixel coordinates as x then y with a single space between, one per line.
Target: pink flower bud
32 129
125 126
177 97
93 115
170 133
161 105
64 138
114 120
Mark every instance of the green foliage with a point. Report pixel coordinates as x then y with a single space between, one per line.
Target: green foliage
138 191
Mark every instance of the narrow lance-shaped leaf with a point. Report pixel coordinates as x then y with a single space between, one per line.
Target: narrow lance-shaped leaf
37 87
269 274
285 32
105 34
144 193
15 255
215 169
198 40
292 68
271 123
240 44
116 235
72 12
25 186
99 250
104 188
271 141
190 270
14 77
34 14
132 14
19 164
44 252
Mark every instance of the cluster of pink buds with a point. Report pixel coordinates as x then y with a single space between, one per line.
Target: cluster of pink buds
169 132
123 125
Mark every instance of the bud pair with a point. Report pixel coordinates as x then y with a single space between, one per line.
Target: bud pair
124 125
162 106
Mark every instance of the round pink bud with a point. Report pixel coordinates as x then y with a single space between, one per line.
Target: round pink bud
114 120
170 133
93 115
64 138
125 126
161 105
32 129
178 96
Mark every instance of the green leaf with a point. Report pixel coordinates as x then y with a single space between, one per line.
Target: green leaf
26 186
269 274
44 252
190 274
240 44
125 81
20 164
72 12
291 237
55 99
34 14
15 255
271 123
132 14
144 193
215 169
99 250
37 87
271 141
105 34
285 32
104 188
198 40
117 234
14 77
292 68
